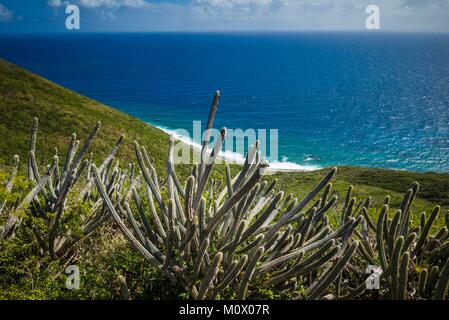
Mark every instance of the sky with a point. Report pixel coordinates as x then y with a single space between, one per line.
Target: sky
41 16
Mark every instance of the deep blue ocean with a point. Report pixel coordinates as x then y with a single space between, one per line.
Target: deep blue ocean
366 99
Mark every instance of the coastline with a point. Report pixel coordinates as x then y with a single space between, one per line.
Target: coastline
237 158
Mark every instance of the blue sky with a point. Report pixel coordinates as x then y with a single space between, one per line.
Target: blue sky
222 15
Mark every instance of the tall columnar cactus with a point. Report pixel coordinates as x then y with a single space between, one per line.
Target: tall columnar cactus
9 184
213 240
241 233
61 188
401 248
124 291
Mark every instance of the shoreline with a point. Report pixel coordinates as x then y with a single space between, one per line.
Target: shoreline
237 158
274 167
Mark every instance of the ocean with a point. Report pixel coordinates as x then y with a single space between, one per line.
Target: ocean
361 99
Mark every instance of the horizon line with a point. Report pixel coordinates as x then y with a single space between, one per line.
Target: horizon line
223 31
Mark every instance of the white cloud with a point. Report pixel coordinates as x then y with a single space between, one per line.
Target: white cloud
233 3
100 3
5 14
238 4
57 3
114 3
236 9
406 15
399 15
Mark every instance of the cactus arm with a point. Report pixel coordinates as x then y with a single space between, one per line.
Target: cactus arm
86 146
246 167
112 154
425 231
153 249
207 133
32 146
232 245
59 209
202 252
207 166
12 173
210 277
431 280
10 183
320 213
403 277
68 159
159 229
13 218
393 231
422 282
148 178
325 281
123 288
249 272
234 270
354 293
346 204
443 282
33 165
258 239
308 247
316 260
368 220
236 197
380 237
126 232
364 250
286 217
408 242
394 267
406 209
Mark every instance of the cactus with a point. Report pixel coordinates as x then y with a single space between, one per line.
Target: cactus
443 283
10 182
250 229
208 236
315 291
123 287
398 246
57 189
434 284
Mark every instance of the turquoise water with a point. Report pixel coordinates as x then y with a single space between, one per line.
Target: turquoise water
366 99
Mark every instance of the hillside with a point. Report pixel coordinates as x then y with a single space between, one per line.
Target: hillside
61 112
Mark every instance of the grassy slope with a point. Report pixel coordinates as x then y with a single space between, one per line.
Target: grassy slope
61 112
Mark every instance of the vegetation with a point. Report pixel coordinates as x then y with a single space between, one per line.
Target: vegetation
202 238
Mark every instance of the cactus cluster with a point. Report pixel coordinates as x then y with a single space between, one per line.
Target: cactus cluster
59 189
400 248
247 231
213 240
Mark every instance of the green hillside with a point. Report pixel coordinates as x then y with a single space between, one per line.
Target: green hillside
61 112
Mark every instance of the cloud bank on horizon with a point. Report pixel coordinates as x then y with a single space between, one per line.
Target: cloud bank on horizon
223 15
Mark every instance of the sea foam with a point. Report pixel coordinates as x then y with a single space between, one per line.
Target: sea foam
238 158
